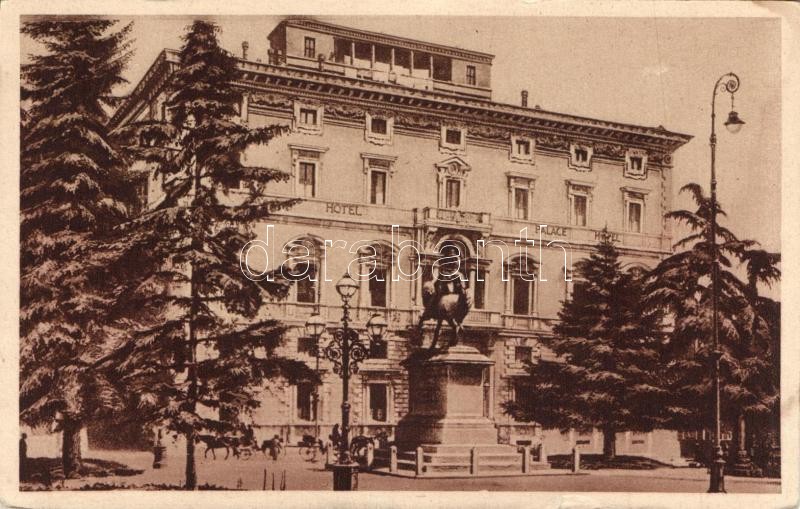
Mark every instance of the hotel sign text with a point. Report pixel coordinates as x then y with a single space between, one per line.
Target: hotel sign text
343 208
557 231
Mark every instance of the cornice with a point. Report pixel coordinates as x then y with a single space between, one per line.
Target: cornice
276 87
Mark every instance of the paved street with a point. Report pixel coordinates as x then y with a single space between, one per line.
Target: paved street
249 475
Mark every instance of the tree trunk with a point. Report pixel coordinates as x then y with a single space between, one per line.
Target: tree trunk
71 448
609 444
191 468
191 375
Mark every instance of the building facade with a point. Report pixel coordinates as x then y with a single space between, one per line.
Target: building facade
396 144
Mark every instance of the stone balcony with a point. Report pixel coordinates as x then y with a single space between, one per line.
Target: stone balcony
296 314
451 218
577 235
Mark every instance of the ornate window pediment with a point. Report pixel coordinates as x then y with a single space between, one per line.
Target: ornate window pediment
580 199
306 169
452 182
453 167
378 170
633 201
520 195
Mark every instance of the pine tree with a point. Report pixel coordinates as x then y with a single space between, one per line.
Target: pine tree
200 347
682 285
606 375
72 192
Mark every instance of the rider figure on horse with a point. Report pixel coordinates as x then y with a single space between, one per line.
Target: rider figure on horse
445 298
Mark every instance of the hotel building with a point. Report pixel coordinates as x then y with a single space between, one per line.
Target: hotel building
394 140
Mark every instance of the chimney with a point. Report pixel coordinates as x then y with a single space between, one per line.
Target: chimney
245 46
524 98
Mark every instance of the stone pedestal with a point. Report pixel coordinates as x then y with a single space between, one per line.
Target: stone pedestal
450 399
345 476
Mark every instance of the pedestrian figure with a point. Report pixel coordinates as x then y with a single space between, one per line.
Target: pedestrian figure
335 435
23 456
275 447
249 436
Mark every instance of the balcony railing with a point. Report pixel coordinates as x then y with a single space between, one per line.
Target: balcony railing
295 313
579 235
451 217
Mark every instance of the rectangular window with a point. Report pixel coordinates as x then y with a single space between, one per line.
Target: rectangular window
480 293
307 346
522 293
310 48
523 392
378 287
377 187
307 179
521 203
522 147
452 136
471 75
581 155
578 210
634 216
378 349
306 287
523 353
308 116
378 126
305 402
378 402
452 193
636 164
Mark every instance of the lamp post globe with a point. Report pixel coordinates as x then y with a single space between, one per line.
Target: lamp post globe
734 123
376 326
347 287
315 326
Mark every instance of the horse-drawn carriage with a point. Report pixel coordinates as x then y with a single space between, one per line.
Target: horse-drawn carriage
242 447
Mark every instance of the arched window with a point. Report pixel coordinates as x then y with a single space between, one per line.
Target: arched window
521 293
375 270
303 264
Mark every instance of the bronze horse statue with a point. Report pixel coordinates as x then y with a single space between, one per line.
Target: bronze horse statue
444 301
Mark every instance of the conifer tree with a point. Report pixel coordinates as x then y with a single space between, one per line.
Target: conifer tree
681 284
606 372
200 347
72 192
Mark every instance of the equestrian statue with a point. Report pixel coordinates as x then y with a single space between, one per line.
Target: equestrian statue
444 300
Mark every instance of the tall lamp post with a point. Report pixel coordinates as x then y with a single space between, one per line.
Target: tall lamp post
315 326
726 83
346 351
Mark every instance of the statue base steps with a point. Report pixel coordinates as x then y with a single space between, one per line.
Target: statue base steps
459 460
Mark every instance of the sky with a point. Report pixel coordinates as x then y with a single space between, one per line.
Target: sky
646 71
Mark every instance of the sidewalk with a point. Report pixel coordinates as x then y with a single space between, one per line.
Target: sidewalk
680 473
301 475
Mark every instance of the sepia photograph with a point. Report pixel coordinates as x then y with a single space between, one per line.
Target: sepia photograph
459 252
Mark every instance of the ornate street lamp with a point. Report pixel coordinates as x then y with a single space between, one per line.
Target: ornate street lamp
726 83
346 351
